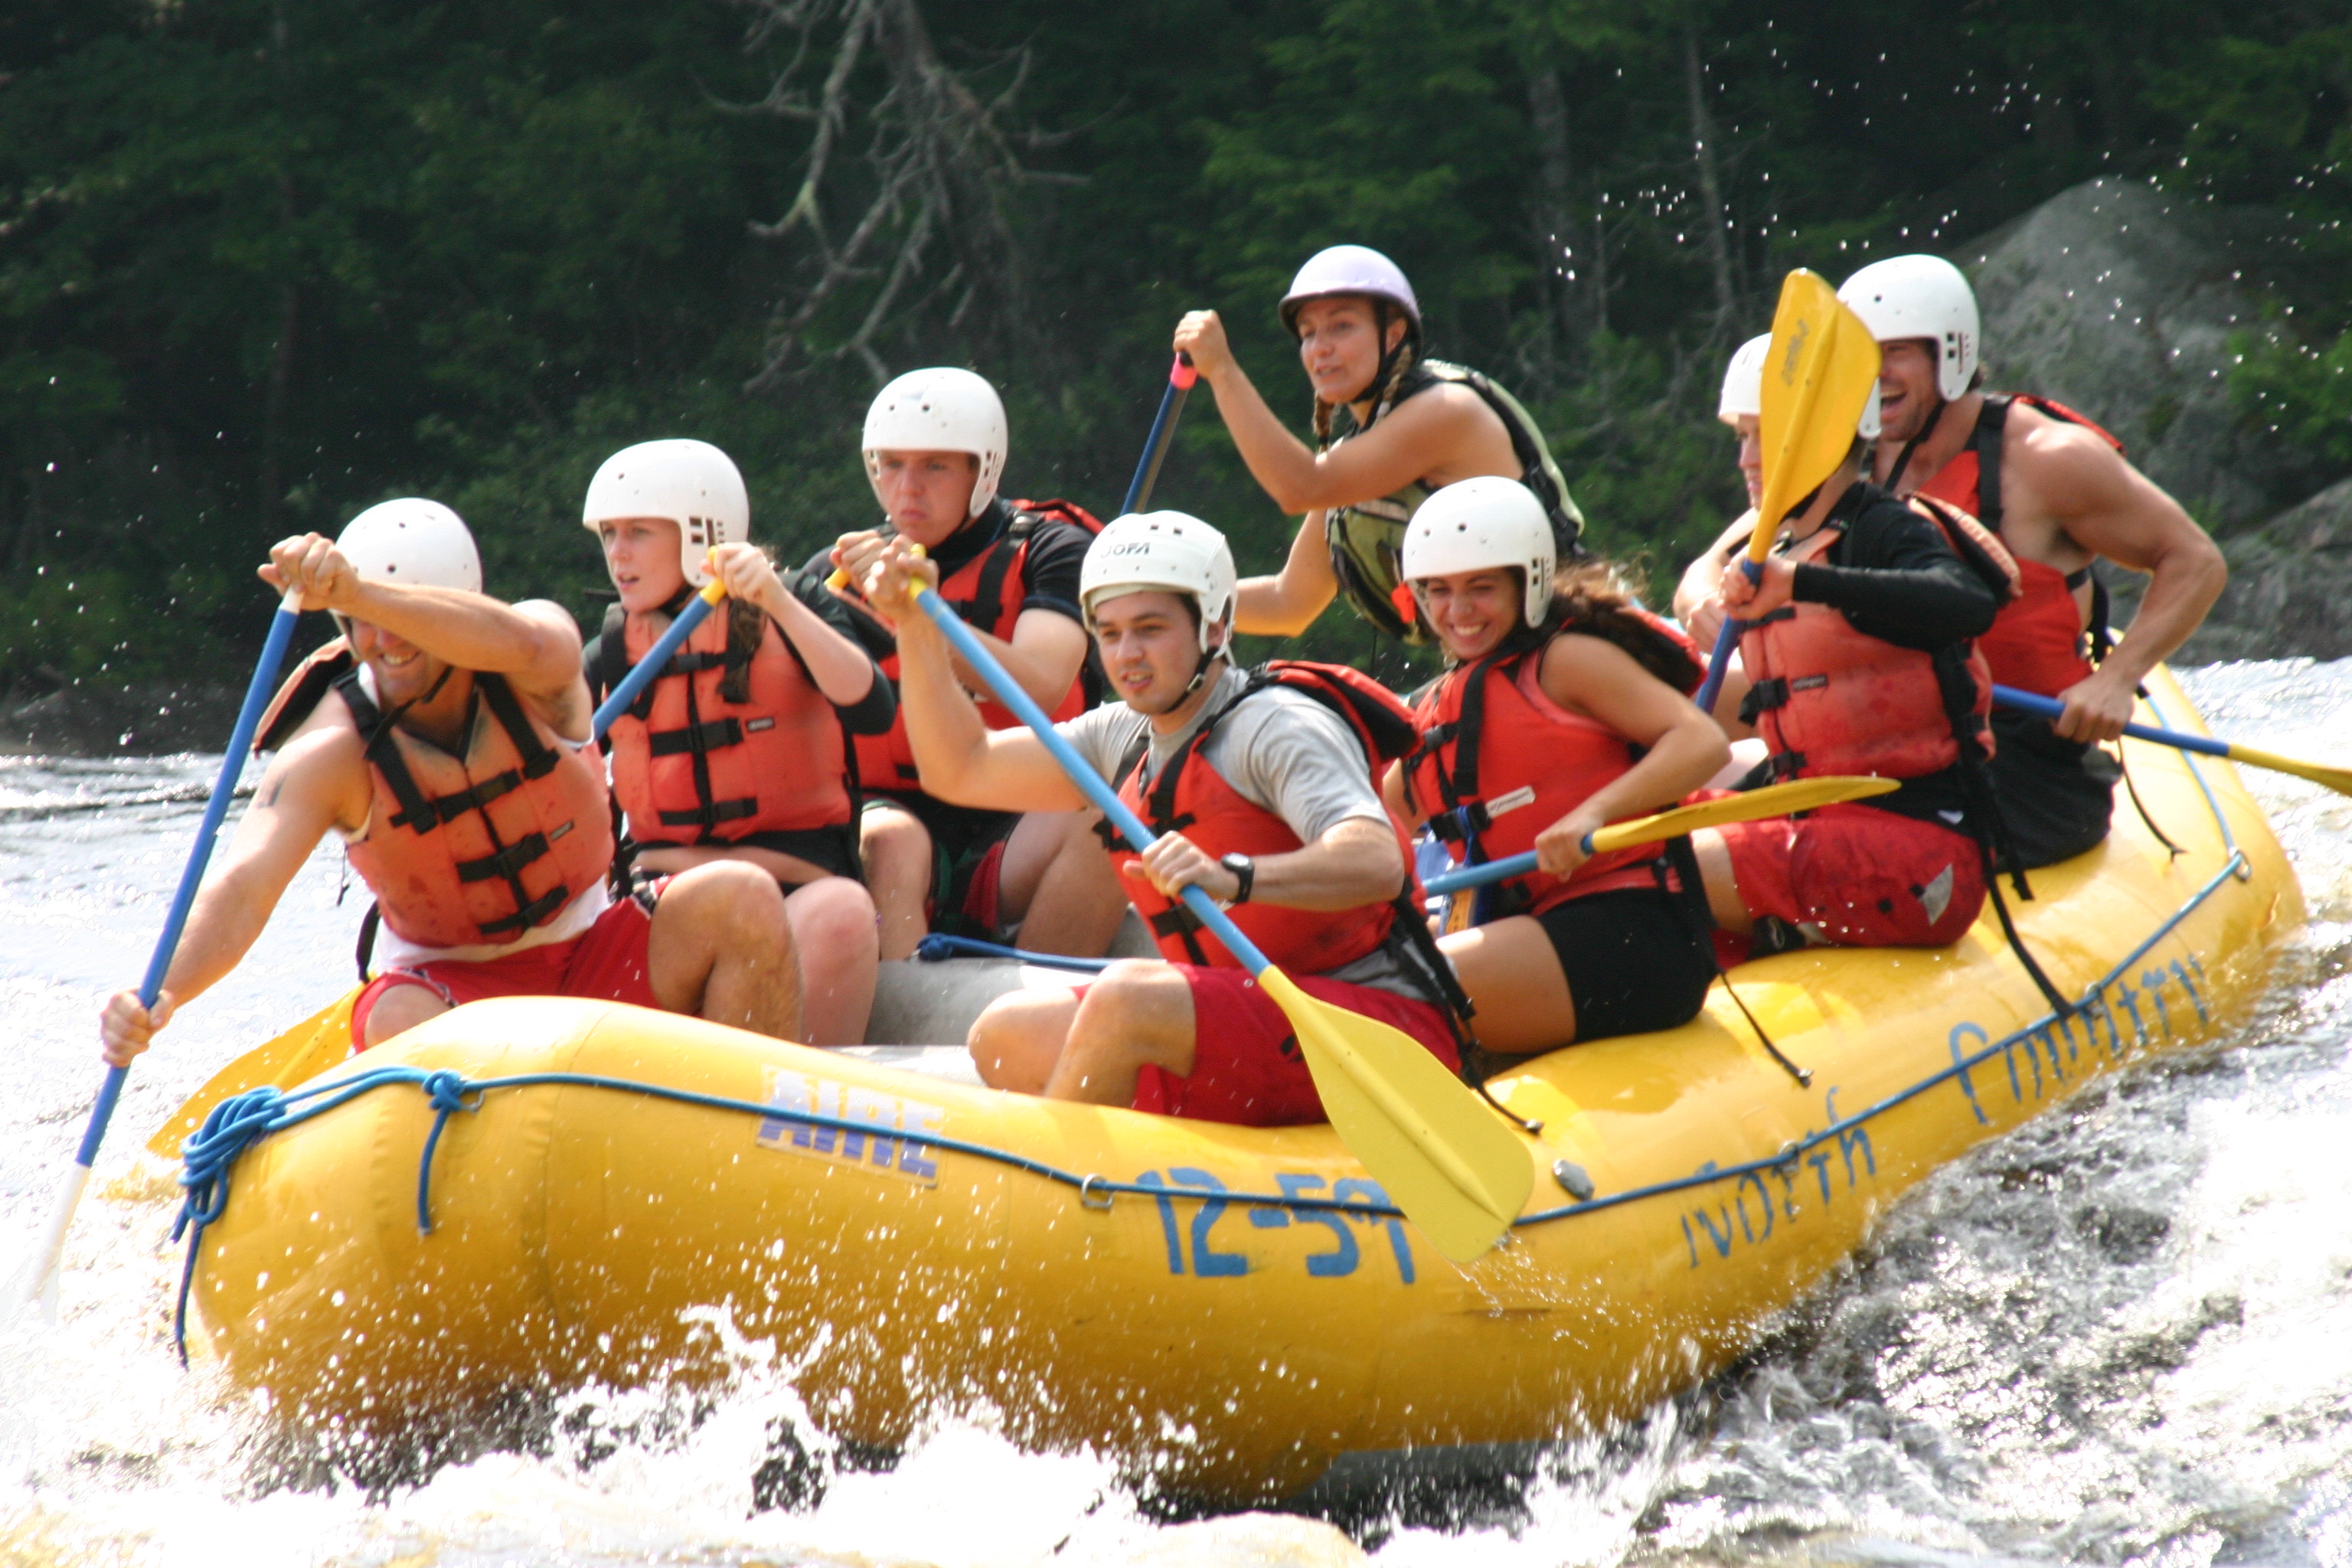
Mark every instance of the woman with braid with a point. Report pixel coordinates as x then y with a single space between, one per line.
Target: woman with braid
1391 427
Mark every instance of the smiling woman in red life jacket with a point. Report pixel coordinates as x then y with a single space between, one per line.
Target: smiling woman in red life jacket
1391 426
935 443
1858 659
443 737
2057 492
1563 708
739 750
1261 787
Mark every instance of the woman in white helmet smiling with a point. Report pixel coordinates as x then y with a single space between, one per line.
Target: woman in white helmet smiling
935 446
738 750
1564 706
1391 426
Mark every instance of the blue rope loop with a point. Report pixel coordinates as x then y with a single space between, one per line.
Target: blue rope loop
447 1091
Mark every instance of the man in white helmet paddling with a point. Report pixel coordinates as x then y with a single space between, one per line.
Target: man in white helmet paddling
1564 706
444 739
740 749
2057 490
1260 785
935 445
1391 426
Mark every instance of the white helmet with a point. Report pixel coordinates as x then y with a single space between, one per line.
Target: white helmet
1907 297
692 483
942 409
1479 524
1350 269
412 541
1167 549
1743 381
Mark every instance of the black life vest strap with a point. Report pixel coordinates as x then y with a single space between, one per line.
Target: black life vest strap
986 609
714 735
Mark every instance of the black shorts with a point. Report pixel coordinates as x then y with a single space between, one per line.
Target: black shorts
2057 796
967 851
1634 961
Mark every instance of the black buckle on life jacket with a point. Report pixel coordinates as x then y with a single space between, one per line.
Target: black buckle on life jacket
506 863
714 735
1175 921
710 816
427 815
1785 612
1785 764
537 912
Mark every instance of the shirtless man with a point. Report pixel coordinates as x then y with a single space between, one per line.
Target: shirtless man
2057 490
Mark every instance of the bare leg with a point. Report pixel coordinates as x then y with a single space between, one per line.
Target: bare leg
399 1010
1139 1014
1017 1039
721 947
1723 900
1512 974
1059 885
897 850
834 935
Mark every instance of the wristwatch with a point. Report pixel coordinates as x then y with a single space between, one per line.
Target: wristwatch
1245 870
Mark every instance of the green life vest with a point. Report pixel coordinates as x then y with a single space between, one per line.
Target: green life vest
1367 538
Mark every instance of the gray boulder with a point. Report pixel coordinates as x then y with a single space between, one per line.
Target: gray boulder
2119 300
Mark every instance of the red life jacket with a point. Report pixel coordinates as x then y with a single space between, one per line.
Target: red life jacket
987 592
486 846
1192 797
2036 643
1499 761
1829 699
693 765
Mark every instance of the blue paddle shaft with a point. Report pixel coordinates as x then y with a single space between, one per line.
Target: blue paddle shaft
1163 426
1095 787
647 667
1718 663
2051 708
1487 871
248 719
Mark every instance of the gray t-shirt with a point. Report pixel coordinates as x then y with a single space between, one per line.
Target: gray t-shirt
1281 750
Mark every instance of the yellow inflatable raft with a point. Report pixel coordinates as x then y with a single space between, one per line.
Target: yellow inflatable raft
1234 1311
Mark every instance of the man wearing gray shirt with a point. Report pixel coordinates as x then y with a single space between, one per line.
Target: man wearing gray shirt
1263 798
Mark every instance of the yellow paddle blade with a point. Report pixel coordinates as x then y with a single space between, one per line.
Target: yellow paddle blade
1820 372
1455 1167
2337 779
302 1052
1751 806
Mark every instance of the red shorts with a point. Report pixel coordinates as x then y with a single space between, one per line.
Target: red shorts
1248 1067
606 963
1854 876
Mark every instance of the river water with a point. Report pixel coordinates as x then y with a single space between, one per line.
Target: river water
2122 1335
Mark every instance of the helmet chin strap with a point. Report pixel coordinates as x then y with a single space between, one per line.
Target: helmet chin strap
1209 657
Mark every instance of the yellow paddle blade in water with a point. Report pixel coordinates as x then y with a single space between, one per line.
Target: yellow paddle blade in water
1819 374
1444 1156
301 1053
1748 805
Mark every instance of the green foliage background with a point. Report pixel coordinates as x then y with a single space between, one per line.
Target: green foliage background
263 262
